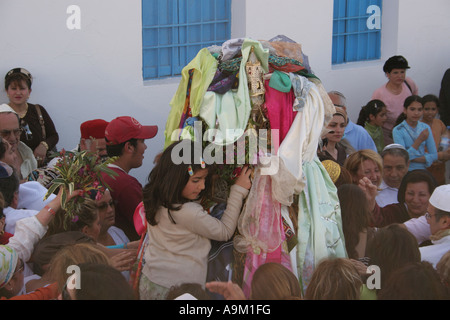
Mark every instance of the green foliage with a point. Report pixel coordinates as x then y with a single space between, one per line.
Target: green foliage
79 171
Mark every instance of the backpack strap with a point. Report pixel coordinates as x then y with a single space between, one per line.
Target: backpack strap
409 87
41 121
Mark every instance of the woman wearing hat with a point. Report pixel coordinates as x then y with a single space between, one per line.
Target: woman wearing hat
394 92
38 130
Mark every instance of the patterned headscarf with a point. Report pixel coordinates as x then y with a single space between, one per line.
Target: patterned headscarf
8 262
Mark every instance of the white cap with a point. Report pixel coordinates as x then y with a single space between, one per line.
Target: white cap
394 146
440 198
5 108
31 196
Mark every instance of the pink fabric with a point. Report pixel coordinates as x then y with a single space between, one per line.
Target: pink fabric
139 219
279 109
267 225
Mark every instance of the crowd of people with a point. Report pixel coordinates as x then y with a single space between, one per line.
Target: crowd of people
126 241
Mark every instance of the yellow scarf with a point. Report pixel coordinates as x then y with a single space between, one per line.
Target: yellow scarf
440 234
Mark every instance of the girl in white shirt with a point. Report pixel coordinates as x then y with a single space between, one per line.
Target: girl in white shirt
179 228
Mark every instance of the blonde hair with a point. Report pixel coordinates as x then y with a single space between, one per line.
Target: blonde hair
443 269
74 254
86 214
354 161
334 279
273 281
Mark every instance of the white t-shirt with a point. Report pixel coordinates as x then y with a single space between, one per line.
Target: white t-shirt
433 253
13 215
118 235
31 196
420 228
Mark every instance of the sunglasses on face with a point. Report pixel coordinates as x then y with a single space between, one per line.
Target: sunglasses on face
104 205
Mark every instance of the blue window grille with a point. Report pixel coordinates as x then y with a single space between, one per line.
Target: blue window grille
173 31
355 36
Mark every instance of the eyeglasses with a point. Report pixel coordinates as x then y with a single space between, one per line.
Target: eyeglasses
104 205
5 133
429 216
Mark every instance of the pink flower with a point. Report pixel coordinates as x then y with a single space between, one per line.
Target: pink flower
98 196
75 219
236 172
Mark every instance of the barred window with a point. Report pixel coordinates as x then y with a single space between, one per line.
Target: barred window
356 30
173 31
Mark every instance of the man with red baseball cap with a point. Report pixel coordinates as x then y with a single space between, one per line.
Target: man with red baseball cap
125 139
93 136
92 139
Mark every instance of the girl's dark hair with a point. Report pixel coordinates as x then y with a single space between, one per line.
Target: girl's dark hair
195 289
411 99
391 248
406 104
355 215
167 179
9 186
430 98
373 107
414 281
17 77
102 282
415 176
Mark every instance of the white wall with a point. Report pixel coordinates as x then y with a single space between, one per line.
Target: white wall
95 72
424 37
417 29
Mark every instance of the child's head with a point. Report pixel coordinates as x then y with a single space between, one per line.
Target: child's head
179 176
374 112
412 110
282 282
430 107
334 279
